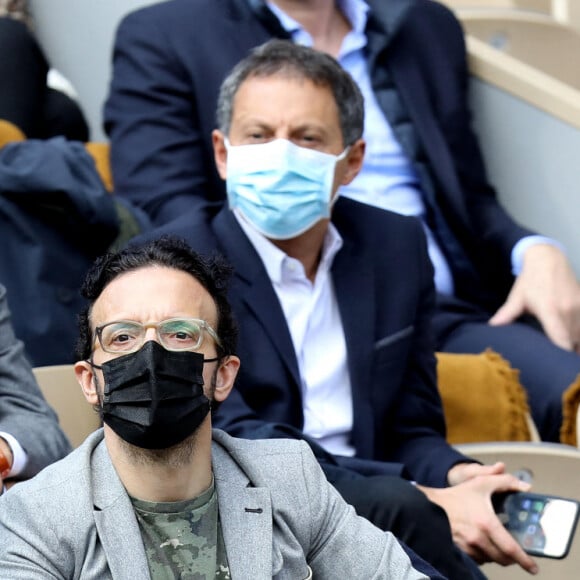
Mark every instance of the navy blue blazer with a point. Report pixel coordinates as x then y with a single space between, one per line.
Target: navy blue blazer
170 59
383 283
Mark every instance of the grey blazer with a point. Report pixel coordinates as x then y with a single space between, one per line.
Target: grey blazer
24 413
281 519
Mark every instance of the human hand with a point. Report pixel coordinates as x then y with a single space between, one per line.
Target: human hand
461 472
6 459
475 527
546 288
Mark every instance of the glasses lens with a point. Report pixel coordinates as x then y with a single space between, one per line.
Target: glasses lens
122 337
180 334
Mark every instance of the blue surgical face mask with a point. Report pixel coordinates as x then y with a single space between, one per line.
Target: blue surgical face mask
281 189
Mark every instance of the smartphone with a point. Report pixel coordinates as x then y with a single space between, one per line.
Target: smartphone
543 525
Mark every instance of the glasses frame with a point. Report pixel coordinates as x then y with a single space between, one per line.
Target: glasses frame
202 324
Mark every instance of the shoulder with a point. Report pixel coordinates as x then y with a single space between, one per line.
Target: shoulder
193 227
419 26
55 485
434 23
423 12
388 243
52 509
47 524
362 221
255 449
179 12
260 459
411 12
156 16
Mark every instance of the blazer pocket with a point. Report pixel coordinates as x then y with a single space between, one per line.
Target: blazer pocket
392 338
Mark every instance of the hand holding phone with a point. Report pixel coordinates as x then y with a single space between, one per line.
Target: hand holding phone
543 525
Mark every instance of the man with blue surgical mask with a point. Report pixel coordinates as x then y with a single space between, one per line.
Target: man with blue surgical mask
336 337
281 188
496 281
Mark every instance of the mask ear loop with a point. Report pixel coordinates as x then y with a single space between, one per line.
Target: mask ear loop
339 158
343 154
95 366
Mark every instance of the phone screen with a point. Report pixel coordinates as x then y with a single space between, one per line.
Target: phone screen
543 525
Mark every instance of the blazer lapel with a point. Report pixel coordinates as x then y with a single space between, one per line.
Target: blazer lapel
382 28
261 12
253 288
115 521
356 302
246 519
414 94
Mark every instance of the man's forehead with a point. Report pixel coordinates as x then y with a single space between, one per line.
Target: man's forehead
154 291
280 96
287 78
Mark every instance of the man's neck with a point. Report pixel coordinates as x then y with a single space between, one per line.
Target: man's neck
182 474
306 248
322 19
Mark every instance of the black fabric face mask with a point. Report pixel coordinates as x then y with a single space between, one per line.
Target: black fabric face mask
154 398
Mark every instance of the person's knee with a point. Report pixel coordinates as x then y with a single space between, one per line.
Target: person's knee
413 509
392 503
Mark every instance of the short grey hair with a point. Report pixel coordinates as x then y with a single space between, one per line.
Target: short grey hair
282 57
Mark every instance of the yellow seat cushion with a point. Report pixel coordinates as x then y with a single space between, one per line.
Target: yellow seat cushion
483 399
100 154
9 133
571 412
98 151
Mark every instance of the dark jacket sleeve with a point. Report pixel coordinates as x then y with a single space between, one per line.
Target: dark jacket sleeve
157 154
24 413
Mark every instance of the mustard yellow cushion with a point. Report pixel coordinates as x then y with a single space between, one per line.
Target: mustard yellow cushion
483 399
100 154
98 151
570 410
9 133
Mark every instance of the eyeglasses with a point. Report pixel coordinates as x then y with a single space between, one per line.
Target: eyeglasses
176 334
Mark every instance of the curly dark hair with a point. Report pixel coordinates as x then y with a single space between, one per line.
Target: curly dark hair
212 272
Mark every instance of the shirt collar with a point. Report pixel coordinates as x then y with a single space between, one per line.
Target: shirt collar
356 12
274 258
289 24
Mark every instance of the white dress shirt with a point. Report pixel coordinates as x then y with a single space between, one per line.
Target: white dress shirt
312 315
19 456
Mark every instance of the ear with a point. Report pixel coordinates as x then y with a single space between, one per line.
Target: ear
85 376
220 153
225 377
354 161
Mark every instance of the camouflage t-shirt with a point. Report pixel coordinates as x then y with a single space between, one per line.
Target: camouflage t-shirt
183 540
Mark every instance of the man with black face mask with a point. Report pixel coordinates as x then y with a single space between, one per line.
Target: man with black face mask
156 493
